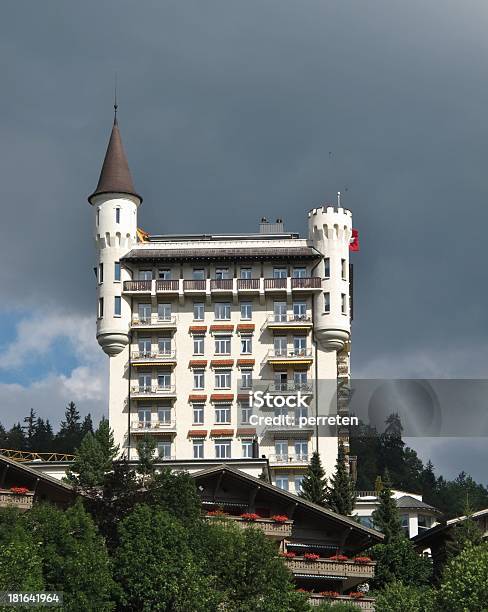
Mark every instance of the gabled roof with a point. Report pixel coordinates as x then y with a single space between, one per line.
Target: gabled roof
433 532
115 176
337 518
407 502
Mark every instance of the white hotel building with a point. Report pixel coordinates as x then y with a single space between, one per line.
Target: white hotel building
192 322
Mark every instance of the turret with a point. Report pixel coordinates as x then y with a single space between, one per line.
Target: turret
115 203
330 231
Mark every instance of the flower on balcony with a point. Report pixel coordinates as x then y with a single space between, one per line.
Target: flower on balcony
329 594
311 557
250 516
217 512
362 560
19 490
279 518
356 594
302 591
288 555
339 558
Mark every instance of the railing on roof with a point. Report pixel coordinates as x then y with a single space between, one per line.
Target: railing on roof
23 456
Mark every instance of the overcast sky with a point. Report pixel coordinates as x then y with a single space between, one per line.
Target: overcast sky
231 110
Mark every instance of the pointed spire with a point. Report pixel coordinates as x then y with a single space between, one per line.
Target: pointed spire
115 176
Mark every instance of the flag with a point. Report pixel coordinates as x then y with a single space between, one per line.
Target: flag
354 241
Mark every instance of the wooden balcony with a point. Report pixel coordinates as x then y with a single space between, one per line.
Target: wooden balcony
273 284
222 285
9 499
272 529
137 286
306 284
194 286
248 285
364 603
329 567
167 286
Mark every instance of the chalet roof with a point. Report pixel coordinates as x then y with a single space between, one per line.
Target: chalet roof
407 502
221 254
438 530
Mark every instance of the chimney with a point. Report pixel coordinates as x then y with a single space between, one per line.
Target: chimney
265 227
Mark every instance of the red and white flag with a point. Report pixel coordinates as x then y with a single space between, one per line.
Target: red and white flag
354 241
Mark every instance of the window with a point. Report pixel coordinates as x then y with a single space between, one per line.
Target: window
164 274
301 412
424 522
144 311
197 449
222 414
164 415
366 521
198 345
222 449
344 269
100 273
164 380
100 308
221 273
164 450
343 303
117 271
298 483
145 275
117 215
282 482
222 379
222 311
145 381
164 312
246 379
280 272
222 345
145 348
279 309
144 415
246 412
198 274
299 272
164 345
280 346
300 345
281 450
326 301
326 267
280 381
299 311
300 379
198 379
246 310
247 449
198 414
198 311
404 520
301 450
246 273
246 345
117 306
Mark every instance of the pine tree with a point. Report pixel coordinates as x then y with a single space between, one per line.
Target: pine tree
30 428
105 437
386 517
86 426
464 534
43 437
314 484
16 438
3 437
69 436
341 495
147 459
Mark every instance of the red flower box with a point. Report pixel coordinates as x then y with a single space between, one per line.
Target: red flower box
329 594
288 555
356 595
339 558
362 560
279 518
311 557
19 490
250 516
216 513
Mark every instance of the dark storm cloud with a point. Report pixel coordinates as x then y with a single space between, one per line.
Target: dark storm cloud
233 110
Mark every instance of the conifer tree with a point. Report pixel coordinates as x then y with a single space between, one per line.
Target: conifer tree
341 494
314 484
147 459
30 428
386 517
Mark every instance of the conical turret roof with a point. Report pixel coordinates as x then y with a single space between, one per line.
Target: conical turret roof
115 176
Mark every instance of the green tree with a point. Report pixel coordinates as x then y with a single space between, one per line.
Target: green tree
399 561
20 567
463 587
29 428
340 606
146 466
16 438
176 493
105 436
86 426
69 435
341 494
314 484
386 517
169 578
396 597
43 438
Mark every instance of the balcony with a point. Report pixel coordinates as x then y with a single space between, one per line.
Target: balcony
289 387
22 501
194 286
270 528
143 427
275 284
222 285
137 287
248 285
328 567
289 357
140 392
288 321
363 603
309 283
167 286
154 323
146 359
289 460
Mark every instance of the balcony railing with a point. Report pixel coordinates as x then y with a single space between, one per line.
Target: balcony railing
223 284
149 356
271 528
150 391
328 567
246 284
282 459
275 283
309 282
194 285
152 426
169 321
167 286
10 499
363 603
290 387
142 286
290 354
